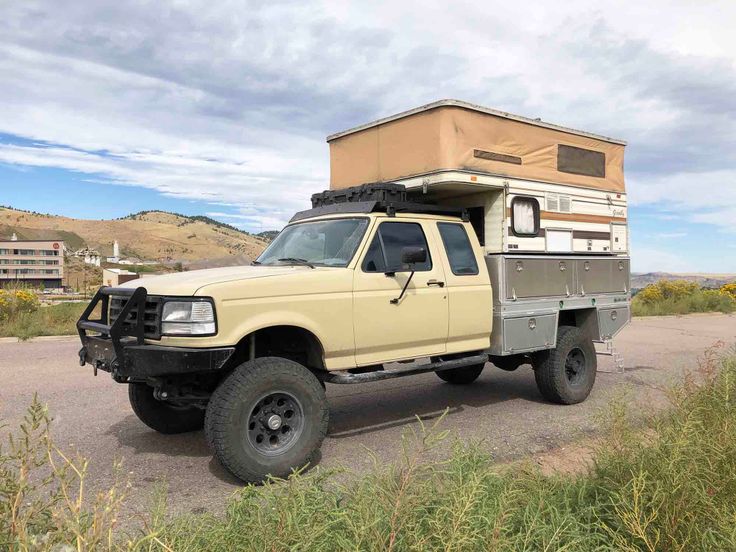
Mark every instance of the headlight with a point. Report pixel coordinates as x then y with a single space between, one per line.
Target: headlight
188 318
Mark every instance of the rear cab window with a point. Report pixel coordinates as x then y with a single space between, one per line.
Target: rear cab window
458 248
384 252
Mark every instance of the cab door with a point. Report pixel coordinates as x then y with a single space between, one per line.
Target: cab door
417 325
470 299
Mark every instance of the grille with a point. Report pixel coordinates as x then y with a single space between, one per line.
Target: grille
151 316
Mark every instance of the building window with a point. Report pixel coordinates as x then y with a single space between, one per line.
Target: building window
384 253
459 251
524 216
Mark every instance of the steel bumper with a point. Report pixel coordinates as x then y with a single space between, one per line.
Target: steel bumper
119 347
146 361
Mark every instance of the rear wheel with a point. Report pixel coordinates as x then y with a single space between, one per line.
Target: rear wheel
160 415
566 374
268 417
459 376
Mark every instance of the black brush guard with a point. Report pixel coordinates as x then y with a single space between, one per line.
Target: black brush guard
120 347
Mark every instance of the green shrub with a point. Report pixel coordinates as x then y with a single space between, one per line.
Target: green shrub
17 302
670 485
681 297
59 319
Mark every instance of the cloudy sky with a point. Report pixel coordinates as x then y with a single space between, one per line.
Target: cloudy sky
221 108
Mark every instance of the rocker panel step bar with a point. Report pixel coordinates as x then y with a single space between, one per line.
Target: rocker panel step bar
343 377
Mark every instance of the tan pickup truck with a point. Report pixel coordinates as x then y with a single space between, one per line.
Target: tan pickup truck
374 282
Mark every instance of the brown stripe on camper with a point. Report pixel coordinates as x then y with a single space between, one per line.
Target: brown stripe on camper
588 235
575 217
579 217
576 234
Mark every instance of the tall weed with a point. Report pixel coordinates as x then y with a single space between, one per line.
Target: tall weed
668 486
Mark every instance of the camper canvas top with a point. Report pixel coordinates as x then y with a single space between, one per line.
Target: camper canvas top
451 135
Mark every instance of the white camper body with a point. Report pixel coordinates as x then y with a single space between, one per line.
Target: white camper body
548 205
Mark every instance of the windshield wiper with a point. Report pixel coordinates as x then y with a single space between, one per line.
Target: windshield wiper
295 260
254 263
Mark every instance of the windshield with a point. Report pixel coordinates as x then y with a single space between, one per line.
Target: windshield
325 242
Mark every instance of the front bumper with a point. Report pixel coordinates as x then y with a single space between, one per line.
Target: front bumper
139 362
121 350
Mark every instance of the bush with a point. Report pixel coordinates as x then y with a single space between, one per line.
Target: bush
668 486
681 297
59 319
729 289
17 302
43 505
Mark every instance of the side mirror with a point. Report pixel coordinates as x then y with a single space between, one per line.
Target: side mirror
413 255
410 256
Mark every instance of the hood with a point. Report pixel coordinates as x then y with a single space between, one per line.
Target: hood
187 283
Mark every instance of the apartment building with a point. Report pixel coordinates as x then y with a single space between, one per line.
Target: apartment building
35 263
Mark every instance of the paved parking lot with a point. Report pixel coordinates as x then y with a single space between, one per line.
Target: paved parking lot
504 410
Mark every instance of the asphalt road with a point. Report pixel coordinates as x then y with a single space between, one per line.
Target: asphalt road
504 410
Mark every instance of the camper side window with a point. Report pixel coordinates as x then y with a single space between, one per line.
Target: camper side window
525 216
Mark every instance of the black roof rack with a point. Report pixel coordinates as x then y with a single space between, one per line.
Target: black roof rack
376 197
388 207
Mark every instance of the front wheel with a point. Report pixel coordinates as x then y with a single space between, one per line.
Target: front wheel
268 417
160 415
566 374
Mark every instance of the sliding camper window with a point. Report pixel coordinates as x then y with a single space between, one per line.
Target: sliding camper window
524 216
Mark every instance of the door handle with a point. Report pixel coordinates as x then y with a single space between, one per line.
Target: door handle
435 283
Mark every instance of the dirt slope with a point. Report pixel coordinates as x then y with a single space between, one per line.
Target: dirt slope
153 235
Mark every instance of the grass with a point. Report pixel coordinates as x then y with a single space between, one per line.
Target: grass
668 486
57 319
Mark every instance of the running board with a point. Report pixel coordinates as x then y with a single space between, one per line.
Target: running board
346 377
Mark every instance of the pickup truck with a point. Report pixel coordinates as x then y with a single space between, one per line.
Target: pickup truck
347 293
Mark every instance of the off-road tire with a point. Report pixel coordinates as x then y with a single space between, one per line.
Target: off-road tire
161 416
459 376
230 413
556 380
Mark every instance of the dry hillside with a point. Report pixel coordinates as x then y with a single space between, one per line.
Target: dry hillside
153 235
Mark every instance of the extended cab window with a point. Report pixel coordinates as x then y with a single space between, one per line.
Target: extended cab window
525 216
384 253
459 251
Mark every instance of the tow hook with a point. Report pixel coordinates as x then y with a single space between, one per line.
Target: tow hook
83 356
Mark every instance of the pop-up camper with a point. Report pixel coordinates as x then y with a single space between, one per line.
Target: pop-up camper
547 203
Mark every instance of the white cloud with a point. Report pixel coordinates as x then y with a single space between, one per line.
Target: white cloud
647 259
698 197
229 102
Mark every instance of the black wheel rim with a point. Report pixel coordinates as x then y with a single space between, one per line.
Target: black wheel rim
576 366
275 423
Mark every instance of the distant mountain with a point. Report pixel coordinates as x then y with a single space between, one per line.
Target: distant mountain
268 234
640 280
148 235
